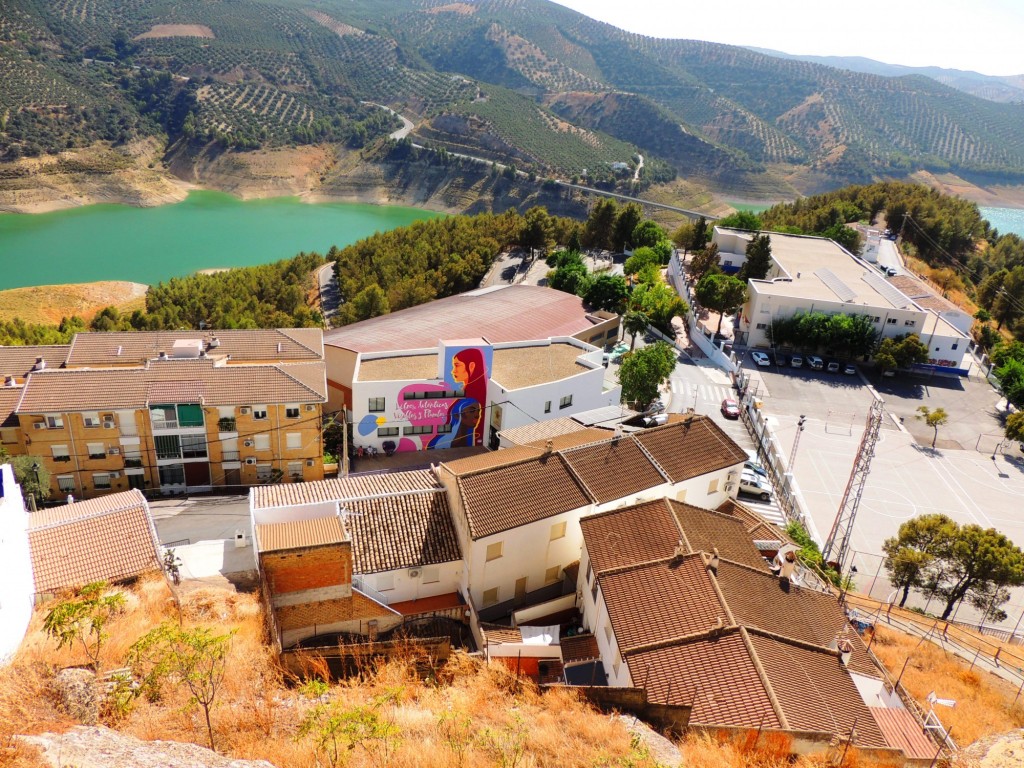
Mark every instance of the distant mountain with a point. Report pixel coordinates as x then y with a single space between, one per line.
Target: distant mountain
527 82
1008 89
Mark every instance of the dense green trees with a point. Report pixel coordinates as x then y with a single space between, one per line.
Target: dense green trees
758 259
900 352
721 294
848 335
607 291
644 371
955 562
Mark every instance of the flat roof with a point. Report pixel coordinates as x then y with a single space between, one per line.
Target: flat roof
520 367
399 368
816 268
499 314
936 324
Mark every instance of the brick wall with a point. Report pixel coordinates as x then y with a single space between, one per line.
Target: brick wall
307 568
356 608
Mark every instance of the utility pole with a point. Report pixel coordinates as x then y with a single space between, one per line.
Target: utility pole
839 538
796 442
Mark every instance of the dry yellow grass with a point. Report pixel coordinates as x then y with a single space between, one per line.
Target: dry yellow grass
48 304
983 701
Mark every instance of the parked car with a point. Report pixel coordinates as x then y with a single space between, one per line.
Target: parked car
656 406
815 362
849 369
656 420
730 408
757 469
779 358
891 271
796 361
760 358
833 366
614 354
750 483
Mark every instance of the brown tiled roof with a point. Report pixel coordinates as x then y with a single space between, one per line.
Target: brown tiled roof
297 534
491 460
660 602
398 368
717 676
83 390
922 294
585 436
541 430
579 648
629 535
902 731
519 494
757 600
815 690
99 349
111 539
690 448
706 530
614 469
402 531
506 313
9 397
499 633
311 375
18 361
519 367
757 526
341 489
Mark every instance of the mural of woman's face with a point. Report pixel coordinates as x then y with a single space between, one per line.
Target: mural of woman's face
461 372
471 414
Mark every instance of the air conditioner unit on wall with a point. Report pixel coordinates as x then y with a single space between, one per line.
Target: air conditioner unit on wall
729 486
414 573
248 443
115 475
108 425
114 451
310 462
310 407
243 410
39 425
250 460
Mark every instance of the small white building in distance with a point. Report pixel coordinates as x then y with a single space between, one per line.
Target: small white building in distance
814 274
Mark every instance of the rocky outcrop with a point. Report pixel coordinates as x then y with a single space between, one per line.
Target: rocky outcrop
75 691
1003 751
99 747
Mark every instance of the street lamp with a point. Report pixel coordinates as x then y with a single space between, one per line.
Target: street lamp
796 442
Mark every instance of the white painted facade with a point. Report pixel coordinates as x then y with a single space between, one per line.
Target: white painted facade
16 586
416 583
595 618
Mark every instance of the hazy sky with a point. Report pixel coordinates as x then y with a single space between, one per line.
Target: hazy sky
986 36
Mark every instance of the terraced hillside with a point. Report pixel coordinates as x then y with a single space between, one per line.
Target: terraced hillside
518 81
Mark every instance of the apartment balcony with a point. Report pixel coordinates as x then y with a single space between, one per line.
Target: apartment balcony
230 456
227 424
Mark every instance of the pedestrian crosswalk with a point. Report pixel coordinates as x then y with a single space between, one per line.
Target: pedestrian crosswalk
769 510
686 391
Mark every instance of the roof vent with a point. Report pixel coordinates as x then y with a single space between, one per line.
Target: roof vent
162 356
40 364
214 343
797 275
202 353
845 648
279 347
120 349
717 627
8 381
679 551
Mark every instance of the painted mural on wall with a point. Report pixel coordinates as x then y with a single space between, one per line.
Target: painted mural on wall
444 413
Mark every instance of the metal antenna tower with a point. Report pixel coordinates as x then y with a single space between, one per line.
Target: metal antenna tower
838 541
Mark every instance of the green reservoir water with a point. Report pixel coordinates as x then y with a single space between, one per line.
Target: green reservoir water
205 231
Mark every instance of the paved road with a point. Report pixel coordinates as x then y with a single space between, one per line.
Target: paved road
407 124
206 518
330 293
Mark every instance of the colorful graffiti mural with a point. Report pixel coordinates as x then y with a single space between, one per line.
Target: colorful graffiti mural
468 368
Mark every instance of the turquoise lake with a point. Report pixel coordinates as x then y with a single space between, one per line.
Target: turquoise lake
1005 219
208 230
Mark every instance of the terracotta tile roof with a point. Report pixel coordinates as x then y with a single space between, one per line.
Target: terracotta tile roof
519 494
717 676
541 431
297 534
84 390
690 448
815 690
579 648
629 535
398 368
902 731
519 367
585 436
402 531
18 361
491 460
499 633
505 313
614 469
264 345
922 294
756 526
311 375
341 489
756 600
9 397
705 530
110 538
660 602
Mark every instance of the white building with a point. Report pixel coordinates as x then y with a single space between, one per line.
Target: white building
814 274
16 587
410 380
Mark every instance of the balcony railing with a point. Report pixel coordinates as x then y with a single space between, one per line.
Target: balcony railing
229 456
132 463
227 424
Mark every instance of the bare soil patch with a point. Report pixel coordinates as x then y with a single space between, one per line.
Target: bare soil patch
177 30
47 304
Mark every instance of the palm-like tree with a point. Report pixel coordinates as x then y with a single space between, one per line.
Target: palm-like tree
634 322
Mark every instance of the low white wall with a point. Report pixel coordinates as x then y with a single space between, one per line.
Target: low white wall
16 591
563 603
215 558
697 335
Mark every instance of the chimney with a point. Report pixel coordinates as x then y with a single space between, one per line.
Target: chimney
8 381
713 563
119 350
162 356
40 364
680 551
717 627
279 347
845 648
549 447
214 342
202 353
